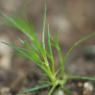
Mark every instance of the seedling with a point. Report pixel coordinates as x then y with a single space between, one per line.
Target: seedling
37 52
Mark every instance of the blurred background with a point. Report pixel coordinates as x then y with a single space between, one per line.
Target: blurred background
69 19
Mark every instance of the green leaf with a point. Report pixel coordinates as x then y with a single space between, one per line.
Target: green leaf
76 44
29 46
58 48
24 27
31 55
50 48
82 78
21 24
50 53
35 89
43 33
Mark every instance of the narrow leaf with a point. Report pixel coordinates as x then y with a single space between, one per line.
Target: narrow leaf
76 44
50 48
35 89
82 78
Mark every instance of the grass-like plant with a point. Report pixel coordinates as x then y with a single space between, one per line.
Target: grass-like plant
43 57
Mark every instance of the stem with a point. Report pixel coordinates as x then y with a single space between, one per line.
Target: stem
52 89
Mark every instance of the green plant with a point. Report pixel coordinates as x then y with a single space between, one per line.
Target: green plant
44 58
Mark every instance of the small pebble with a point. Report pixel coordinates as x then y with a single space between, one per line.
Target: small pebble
88 86
5 91
80 84
59 92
